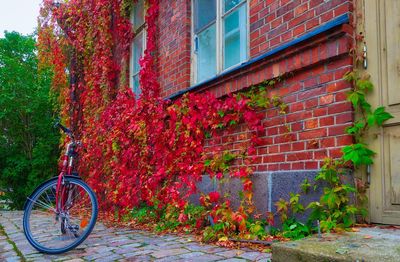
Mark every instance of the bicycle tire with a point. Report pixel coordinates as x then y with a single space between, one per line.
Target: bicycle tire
37 213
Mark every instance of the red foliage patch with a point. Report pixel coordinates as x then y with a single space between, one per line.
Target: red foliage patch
145 150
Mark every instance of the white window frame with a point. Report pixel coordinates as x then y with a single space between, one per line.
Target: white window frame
219 39
141 31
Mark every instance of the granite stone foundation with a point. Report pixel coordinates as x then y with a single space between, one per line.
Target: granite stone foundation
268 188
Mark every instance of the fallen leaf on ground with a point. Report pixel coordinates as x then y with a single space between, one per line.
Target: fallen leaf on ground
84 223
367 237
222 239
239 252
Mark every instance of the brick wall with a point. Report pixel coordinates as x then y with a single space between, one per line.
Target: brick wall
313 128
274 22
314 90
174 45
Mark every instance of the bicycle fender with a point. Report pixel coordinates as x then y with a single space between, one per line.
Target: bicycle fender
48 180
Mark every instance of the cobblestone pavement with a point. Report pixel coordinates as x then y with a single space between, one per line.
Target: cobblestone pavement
110 244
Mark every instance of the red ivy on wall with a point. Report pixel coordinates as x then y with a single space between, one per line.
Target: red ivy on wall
146 150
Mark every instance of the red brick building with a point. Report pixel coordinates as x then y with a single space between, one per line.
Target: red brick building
224 46
308 40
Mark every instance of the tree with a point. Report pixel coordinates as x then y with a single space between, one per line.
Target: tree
28 142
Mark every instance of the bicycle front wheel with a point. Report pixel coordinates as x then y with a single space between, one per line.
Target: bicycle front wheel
56 230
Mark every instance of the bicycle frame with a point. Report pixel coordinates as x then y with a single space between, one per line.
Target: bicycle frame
67 169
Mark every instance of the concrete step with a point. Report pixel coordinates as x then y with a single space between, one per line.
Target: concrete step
369 244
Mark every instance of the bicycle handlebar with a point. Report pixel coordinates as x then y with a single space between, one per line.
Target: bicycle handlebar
64 129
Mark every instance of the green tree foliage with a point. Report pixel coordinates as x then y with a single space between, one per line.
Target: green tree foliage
28 142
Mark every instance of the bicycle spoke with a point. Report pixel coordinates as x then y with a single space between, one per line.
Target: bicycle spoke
48 198
48 203
44 205
75 197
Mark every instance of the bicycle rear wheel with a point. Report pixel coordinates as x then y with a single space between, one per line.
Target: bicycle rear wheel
54 232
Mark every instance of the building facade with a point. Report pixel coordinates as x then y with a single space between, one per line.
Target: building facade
227 46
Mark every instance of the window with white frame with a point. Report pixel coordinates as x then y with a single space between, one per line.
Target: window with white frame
138 44
220 36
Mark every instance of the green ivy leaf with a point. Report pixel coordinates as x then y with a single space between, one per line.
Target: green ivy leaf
363 212
348 188
298 208
358 154
365 106
347 221
349 76
365 84
294 198
378 117
262 101
282 206
220 126
227 157
327 225
355 129
313 205
355 97
329 197
241 195
269 82
232 122
351 209
305 186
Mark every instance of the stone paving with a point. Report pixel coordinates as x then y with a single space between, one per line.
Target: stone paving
118 244
370 244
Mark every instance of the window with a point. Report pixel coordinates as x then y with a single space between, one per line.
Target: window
220 36
138 45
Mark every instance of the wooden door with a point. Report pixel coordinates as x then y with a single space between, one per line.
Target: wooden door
382 35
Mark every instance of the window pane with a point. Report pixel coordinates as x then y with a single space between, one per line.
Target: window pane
204 13
136 86
229 4
137 51
138 14
235 37
206 58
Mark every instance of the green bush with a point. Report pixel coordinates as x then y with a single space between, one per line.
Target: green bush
28 142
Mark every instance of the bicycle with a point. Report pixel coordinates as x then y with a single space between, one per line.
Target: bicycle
61 212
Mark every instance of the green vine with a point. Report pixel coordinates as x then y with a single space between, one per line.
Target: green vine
359 153
336 210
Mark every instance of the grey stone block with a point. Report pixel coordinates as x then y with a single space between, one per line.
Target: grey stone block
205 186
268 188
